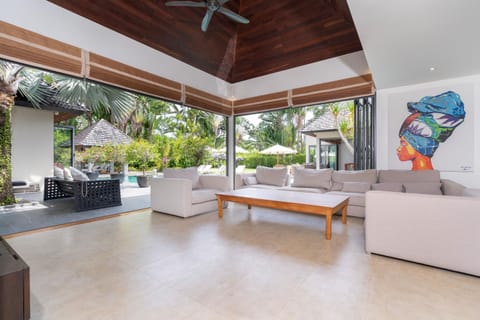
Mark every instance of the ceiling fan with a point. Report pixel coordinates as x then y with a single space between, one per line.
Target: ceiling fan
212 6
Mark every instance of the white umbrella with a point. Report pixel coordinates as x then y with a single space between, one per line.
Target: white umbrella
278 150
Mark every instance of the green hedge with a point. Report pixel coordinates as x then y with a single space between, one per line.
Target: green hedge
255 159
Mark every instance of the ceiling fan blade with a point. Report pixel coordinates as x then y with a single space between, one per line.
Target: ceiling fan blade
206 20
232 15
222 2
186 4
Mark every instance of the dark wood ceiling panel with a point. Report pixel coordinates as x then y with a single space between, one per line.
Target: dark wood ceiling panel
286 34
281 34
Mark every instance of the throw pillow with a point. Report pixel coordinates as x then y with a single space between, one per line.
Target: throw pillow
250 180
187 173
423 187
58 172
271 176
67 174
310 178
358 187
388 186
78 175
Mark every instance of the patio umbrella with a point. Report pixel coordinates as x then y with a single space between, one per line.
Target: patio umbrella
278 150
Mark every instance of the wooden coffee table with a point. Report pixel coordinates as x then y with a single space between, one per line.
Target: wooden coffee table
305 202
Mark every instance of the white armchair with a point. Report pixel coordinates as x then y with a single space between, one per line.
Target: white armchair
177 197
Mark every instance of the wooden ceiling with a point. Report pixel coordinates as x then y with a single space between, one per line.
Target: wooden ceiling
282 34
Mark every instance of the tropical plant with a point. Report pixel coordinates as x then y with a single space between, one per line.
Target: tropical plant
343 113
141 154
13 78
117 155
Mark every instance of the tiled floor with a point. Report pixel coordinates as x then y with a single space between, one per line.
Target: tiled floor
264 264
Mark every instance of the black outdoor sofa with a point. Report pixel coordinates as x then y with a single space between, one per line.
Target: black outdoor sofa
87 195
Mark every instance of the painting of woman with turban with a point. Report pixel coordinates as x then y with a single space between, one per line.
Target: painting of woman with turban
431 121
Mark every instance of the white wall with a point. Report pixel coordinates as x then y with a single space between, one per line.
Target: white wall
384 147
32 144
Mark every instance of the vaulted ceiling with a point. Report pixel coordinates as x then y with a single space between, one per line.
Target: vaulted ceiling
282 34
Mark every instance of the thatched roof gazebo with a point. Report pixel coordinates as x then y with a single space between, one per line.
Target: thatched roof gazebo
99 134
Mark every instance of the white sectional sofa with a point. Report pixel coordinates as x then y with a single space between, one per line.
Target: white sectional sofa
353 184
437 230
184 193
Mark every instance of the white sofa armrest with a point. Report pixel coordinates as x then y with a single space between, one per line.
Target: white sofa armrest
239 179
436 230
217 182
452 188
171 195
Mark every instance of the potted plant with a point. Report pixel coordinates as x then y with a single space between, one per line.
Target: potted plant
141 154
93 155
116 154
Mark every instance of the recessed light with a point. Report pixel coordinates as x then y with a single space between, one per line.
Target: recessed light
431 68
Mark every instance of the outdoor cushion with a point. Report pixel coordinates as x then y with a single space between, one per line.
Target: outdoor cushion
423 187
339 177
271 176
78 175
187 173
388 186
360 187
250 180
67 174
203 195
58 172
408 176
312 178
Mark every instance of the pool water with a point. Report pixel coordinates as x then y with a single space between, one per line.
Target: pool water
132 179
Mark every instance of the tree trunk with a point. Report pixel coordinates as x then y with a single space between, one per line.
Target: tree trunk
6 191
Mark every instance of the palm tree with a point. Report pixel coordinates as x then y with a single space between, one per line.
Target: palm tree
343 115
37 87
13 78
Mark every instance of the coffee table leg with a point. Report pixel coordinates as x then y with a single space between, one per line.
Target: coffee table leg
344 214
220 206
328 226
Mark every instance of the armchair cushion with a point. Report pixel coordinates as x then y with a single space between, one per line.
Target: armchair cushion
187 173
203 195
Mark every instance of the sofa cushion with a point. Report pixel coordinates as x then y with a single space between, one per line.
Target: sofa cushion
355 198
339 177
423 187
187 173
203 195
78 175
250 180
388 186
304 189
263 186
310 178
271 176
359 187
408 176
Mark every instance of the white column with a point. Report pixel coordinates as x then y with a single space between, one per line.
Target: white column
231 149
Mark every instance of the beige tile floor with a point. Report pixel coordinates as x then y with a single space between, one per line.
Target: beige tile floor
264 264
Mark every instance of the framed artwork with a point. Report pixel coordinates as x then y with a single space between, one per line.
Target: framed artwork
432 128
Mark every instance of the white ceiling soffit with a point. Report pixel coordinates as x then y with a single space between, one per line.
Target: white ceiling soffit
402 40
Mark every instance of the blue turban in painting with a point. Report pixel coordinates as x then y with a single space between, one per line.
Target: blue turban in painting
432 121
